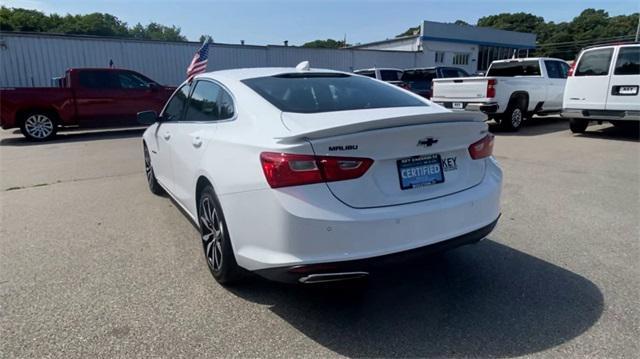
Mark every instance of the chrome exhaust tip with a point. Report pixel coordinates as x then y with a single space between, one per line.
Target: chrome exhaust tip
331 277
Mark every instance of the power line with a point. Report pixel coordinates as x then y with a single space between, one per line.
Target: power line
568 43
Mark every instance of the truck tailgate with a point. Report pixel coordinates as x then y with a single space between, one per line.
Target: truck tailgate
462 88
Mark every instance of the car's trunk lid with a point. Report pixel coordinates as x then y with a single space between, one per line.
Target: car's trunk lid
388 137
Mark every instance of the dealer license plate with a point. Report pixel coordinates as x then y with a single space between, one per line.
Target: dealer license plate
420 171
458 105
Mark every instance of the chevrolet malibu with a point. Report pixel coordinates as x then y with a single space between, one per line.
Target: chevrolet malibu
309 176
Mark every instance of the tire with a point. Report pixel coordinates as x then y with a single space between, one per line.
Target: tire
512 118
154 186
216 242
578 125
39 126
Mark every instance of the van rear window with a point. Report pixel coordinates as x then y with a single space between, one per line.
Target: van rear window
325 92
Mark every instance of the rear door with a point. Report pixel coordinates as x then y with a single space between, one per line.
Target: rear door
209 104
557 77
588 87
164 137
625 80
98 99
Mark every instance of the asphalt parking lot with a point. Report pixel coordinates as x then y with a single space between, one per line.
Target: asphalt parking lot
93 264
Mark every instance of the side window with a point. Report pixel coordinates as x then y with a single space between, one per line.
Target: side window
226 106
95 79
553 69
129 80
628 62
203 104
564 69
175 106
389 75
594 63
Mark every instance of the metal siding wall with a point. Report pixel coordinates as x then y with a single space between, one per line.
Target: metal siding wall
32 60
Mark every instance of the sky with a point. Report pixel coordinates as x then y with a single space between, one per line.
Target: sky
261 22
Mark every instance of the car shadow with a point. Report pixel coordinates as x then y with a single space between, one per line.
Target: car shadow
533 127
613 133
483 300
74 136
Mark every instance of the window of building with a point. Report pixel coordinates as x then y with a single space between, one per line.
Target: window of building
439 57
461 59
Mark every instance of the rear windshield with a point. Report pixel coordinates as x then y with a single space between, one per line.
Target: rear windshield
319 92
419 79
390 75
514 68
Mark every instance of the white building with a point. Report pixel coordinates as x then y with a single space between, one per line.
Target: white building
468 47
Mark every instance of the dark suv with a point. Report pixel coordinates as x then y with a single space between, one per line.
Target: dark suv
418 80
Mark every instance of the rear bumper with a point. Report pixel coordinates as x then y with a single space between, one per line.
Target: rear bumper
601 115
489 108
305 225
357 268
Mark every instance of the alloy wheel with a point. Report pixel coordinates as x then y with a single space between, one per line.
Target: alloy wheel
147 166
516 118
39 126
212 233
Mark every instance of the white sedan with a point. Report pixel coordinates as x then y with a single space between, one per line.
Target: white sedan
310 176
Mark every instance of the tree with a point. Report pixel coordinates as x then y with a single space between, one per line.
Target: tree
325 44
520 21
566 39
98 24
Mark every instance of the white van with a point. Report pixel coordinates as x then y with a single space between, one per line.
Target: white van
604 85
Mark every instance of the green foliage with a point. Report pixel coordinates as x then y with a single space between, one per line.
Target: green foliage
98 24
325 44
565 39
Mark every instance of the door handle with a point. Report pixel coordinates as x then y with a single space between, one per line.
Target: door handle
167 136
197 142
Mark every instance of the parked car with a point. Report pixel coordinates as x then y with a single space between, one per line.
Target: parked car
420 80
309 175
85 97
384 74
512 90
603 86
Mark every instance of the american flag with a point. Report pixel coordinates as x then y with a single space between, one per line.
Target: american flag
199 63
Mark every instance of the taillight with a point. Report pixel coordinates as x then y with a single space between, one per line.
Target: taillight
285 169
491 88
572 68
482 148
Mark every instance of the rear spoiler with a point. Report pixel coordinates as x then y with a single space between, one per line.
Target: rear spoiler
302 125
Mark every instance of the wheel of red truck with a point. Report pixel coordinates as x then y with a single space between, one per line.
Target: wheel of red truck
39 126
513 116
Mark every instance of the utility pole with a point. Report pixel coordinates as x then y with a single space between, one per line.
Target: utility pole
638 29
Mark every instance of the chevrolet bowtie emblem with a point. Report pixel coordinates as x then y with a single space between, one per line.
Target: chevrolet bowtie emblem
427 142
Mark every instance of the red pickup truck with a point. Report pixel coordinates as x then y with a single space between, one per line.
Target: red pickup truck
85 97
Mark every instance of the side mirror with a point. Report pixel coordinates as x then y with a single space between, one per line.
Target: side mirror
147 117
